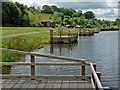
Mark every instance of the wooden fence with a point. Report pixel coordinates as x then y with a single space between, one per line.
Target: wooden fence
95 77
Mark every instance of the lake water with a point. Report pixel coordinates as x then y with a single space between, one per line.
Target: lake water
102 49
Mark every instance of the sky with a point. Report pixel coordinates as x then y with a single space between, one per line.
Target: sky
103 9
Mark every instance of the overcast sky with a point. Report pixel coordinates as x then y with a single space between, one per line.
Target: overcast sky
104 9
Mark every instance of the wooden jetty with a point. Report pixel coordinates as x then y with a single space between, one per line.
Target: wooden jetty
63 38
82 81
86 32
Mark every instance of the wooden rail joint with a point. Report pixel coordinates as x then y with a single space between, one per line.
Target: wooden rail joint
96 78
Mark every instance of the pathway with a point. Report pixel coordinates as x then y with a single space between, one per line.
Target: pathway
13 35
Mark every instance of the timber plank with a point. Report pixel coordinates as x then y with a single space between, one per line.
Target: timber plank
7 81
19 84
73 85
65 85
11 84
34 84
26 84
41 84
49 85
88 86
81 85
57 85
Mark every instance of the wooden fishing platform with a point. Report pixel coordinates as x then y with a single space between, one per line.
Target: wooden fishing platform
82 81
66 39
86 32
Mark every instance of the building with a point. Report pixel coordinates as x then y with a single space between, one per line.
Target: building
48 24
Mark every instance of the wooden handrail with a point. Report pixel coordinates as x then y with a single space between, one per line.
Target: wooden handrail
97 81
47 76
75 62
41 55
44 64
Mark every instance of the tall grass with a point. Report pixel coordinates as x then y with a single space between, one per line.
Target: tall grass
26 42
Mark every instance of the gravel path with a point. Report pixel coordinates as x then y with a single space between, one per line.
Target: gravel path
13 35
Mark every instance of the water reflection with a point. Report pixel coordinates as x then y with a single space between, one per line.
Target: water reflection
60 48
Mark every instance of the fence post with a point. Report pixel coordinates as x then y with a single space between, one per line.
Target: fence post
51 36
32 67
69 37
94 65
83 69
99 75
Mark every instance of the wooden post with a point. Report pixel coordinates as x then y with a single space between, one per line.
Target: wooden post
33 67
83 69
60 35
94 65
69 37
51 36
99 75
51 48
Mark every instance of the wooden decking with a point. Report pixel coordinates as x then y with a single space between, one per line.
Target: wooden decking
46 84
91 81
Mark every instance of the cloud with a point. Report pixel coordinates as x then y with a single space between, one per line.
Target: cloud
104 9
104 13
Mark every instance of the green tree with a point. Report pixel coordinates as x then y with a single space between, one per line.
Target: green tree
47 9
89 15
58 17
24 19
10 14
80 13
55 8
117 22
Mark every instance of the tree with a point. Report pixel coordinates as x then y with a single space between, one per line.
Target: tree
75 15
47 9
11 14
67 21
80 13
55 8
117 22
58 17
89 15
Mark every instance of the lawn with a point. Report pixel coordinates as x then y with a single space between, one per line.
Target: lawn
18 30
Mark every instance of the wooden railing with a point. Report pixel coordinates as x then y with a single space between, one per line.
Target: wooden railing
61 34
75 62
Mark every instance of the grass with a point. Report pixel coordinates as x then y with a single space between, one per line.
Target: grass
23 42
18 30
26 42
37 17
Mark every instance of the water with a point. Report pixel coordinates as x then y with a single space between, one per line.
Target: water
101 49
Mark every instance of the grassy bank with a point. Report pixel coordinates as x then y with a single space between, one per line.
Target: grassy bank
18 30
23 42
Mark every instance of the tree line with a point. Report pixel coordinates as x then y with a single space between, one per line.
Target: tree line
16 14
